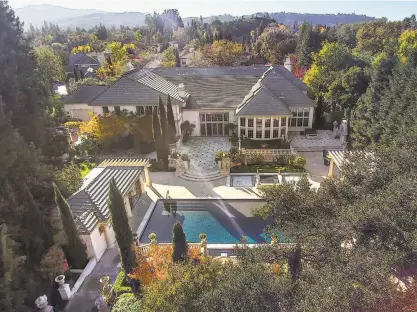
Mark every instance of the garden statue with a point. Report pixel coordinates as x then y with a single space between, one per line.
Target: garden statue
42 304
335 129
343 132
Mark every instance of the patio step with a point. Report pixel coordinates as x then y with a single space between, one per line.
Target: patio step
202 176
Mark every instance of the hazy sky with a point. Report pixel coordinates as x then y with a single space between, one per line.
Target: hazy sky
393 10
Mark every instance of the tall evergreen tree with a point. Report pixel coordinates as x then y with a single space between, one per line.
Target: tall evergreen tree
10 296
304 45
164 134
120 222
157 136
179 243
171 120
177 58
75 249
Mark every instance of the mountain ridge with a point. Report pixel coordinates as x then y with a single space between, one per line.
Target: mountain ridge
87 18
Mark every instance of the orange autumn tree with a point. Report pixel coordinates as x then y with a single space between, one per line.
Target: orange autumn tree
155 264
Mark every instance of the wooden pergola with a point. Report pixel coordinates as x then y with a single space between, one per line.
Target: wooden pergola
336 158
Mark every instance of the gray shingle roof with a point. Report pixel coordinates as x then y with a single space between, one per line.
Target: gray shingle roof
225 87
89 205
263 102
80 59
138 88
84 94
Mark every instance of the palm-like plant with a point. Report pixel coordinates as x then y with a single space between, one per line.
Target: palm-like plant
187 128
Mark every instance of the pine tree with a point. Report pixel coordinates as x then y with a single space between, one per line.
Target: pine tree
177 58
164 134
171 121
179 243
157 136
120 222
304 46
34 228
76 250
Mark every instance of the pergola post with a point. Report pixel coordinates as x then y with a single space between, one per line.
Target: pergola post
147 178
331 168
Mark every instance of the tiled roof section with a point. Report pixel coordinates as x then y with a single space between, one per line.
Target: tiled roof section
280 86
290 77
80 59
129 91
261 102
217 91
89 205
225 87
84 94
157 83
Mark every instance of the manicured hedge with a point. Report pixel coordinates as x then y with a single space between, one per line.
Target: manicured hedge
120 286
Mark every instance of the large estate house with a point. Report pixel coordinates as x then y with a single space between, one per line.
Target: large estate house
265 102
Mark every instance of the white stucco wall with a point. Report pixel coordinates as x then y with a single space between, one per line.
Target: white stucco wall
193 117
79 111
96 244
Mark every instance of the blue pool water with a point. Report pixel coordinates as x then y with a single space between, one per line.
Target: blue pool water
222 221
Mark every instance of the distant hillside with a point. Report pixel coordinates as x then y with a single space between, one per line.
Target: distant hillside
64 17
324 19
36 14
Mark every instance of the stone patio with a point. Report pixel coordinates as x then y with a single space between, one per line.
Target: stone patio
324 140
202 151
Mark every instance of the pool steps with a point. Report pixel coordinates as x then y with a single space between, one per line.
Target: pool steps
202 176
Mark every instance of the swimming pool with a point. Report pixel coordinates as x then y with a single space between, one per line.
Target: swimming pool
224 221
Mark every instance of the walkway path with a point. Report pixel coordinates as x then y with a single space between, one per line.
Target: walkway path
202 151
83 300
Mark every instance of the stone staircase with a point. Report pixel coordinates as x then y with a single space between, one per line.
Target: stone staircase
202 176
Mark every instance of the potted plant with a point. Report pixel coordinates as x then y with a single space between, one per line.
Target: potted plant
202 237
152 238
186 160
60 279
218 158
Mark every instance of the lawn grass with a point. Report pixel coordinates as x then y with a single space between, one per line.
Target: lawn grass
266 169
85 168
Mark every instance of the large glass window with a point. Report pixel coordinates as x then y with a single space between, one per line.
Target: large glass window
259 134
242 121
276 122
268 123
250 134
140 110
250 122
213 123
117 110
242 132
275 134
148 110
105 109
300 118
267 134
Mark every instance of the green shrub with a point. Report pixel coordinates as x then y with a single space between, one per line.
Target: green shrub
256 158
281 160
126 303
299 161
234 139
120 285
237 158
233 150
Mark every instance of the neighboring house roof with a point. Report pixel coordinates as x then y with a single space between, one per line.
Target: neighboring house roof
84 94
81 59
89 204
139 88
